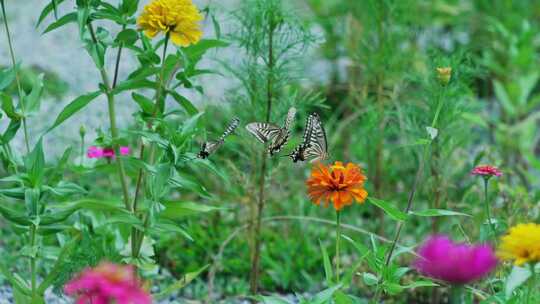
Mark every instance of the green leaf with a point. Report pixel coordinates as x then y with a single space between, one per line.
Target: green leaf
71 17
195 52
503 98
517 277
389 209
421 283
6 77
57 267
132 84
129 7
341 298
51 7
127 36
146 105
73 107
185 280
7 106
181 209
370 279
11 130
184 103
325 296
327 266
14 216
35 164
437 212
16 282
32 101
271 300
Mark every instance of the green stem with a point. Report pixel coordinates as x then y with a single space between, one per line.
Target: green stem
114 130
82 151
532 284
17 77
418 176
255 258
338 239
137 237
33 273
488 214
456 294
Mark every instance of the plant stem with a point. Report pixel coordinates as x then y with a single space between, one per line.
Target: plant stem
114 130
137 237
254 275
456 294
338 239
418 176
33 274
82 151
532 283
488 214
17 77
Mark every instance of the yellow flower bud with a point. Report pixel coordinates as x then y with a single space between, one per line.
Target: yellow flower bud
444 74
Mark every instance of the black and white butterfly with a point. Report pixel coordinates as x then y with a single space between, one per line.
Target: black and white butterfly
314 145
276 136
211 146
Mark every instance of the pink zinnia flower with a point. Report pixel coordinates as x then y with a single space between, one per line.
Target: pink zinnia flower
107 283
440 258
486 171
94 152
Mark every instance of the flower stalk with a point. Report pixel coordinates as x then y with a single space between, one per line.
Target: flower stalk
456 294
338 240
254 275
532 283
137 236
112 121
17 76
487 207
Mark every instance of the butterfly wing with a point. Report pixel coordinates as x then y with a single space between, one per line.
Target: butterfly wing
264 132
299 151
317 146
230 128
210 147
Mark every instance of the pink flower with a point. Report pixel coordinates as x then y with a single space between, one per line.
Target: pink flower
442 259
124 151
94 152
486 171
107 283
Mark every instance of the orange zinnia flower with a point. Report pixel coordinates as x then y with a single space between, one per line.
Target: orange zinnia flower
338 184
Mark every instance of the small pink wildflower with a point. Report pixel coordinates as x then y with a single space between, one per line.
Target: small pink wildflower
107 283
486 171
94 152
440 258
124 151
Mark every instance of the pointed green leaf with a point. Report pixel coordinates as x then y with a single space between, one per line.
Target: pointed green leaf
389 209
73 107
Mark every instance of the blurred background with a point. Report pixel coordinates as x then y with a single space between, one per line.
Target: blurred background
368 67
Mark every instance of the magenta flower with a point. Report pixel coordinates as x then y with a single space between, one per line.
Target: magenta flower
440 258
107 283
486 171
124 151
96 152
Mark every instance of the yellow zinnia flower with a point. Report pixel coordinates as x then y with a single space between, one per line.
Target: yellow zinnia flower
521 244
179 18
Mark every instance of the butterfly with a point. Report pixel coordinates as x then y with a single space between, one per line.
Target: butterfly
270 133
314 144
211 146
